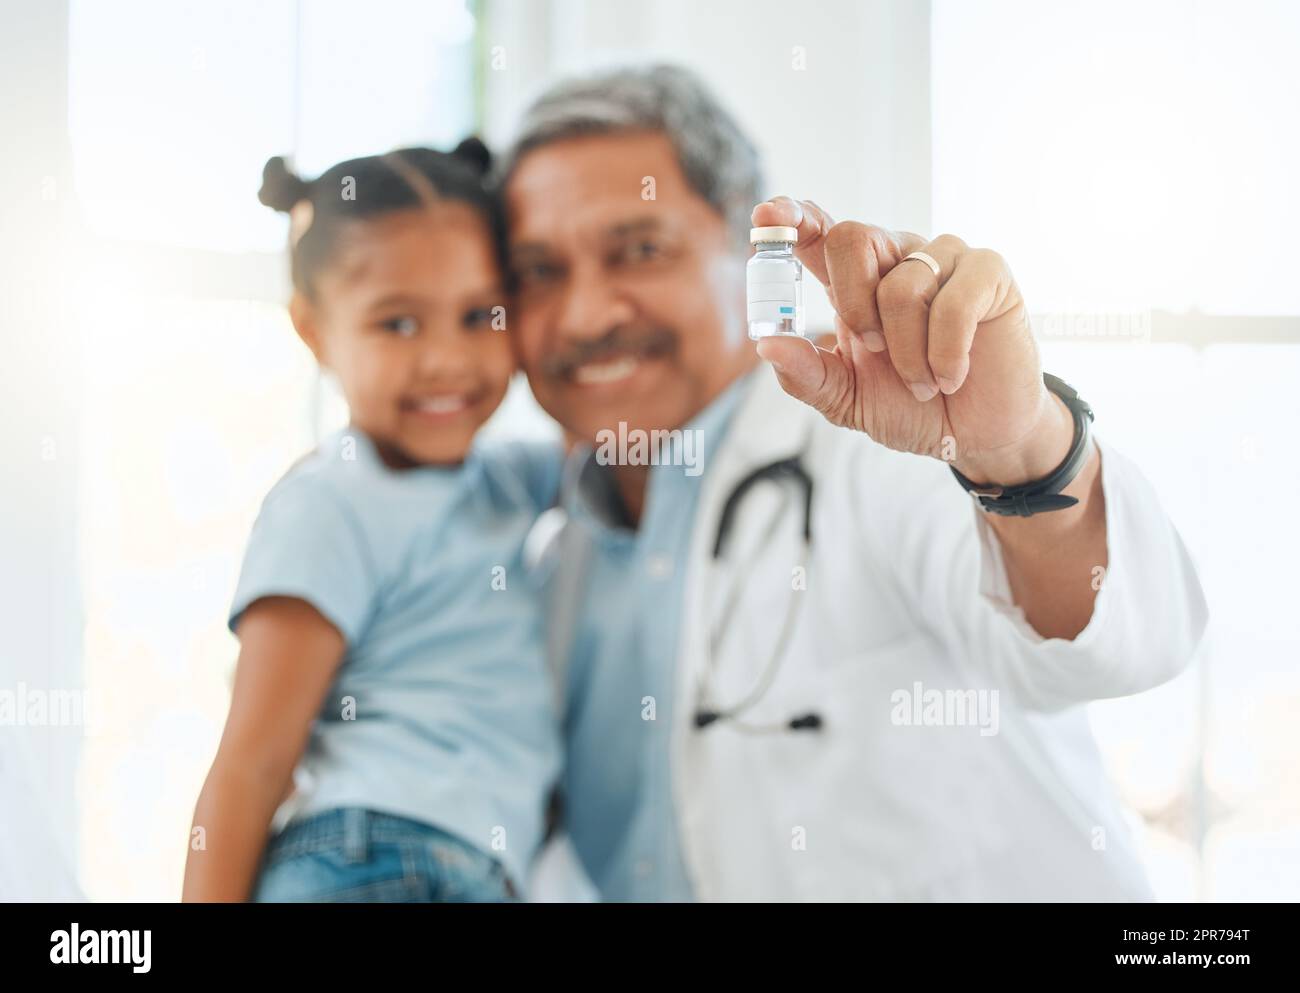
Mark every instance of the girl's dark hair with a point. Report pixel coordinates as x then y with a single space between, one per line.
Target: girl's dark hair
365 188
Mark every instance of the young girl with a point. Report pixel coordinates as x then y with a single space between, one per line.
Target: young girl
390 659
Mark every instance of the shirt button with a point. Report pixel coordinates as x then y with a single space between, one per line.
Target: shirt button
659 566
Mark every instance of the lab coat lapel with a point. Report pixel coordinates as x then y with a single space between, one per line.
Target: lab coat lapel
768 425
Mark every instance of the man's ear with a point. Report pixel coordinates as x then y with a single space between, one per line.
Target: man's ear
303 315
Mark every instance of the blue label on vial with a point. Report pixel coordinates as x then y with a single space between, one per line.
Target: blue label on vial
787 310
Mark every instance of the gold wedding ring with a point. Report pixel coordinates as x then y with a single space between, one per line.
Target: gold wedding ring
922 257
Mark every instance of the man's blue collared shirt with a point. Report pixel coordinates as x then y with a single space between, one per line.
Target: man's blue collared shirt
621 670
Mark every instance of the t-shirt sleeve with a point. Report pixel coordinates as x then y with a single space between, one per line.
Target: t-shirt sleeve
536 465
307 543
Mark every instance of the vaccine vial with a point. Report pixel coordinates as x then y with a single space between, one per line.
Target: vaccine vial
774 283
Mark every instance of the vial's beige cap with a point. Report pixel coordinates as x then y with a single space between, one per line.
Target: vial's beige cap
773 234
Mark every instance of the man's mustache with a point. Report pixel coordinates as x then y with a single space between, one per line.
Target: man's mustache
639 340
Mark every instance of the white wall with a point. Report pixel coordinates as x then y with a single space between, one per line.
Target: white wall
40 602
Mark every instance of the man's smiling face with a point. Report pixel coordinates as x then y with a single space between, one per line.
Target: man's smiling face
629 308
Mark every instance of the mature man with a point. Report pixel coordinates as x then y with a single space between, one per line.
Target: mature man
875 697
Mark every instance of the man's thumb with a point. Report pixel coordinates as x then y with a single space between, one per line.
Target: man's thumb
808 373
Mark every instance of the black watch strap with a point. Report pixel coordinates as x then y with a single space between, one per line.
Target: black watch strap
1039 496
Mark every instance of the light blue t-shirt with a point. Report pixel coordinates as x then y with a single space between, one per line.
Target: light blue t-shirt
442 710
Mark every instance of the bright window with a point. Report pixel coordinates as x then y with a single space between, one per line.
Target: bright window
196 398
1136 164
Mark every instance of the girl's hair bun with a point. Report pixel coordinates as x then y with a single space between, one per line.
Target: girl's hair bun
281 189
476 154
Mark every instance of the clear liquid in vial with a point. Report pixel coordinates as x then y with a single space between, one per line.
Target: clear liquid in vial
774 291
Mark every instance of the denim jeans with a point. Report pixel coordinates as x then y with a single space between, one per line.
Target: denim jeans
351 855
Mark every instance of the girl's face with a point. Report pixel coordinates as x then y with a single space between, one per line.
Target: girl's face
403 317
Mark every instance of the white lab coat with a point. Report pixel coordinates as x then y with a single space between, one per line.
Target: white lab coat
905 586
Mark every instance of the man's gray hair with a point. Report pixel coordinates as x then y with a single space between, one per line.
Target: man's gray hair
716 156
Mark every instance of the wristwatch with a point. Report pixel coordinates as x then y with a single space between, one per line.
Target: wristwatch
1042 495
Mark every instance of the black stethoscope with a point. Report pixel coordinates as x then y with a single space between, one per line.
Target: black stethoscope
779 472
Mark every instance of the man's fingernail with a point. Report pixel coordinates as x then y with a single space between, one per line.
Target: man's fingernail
874 340
795 205
777 366
922 391
946 385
